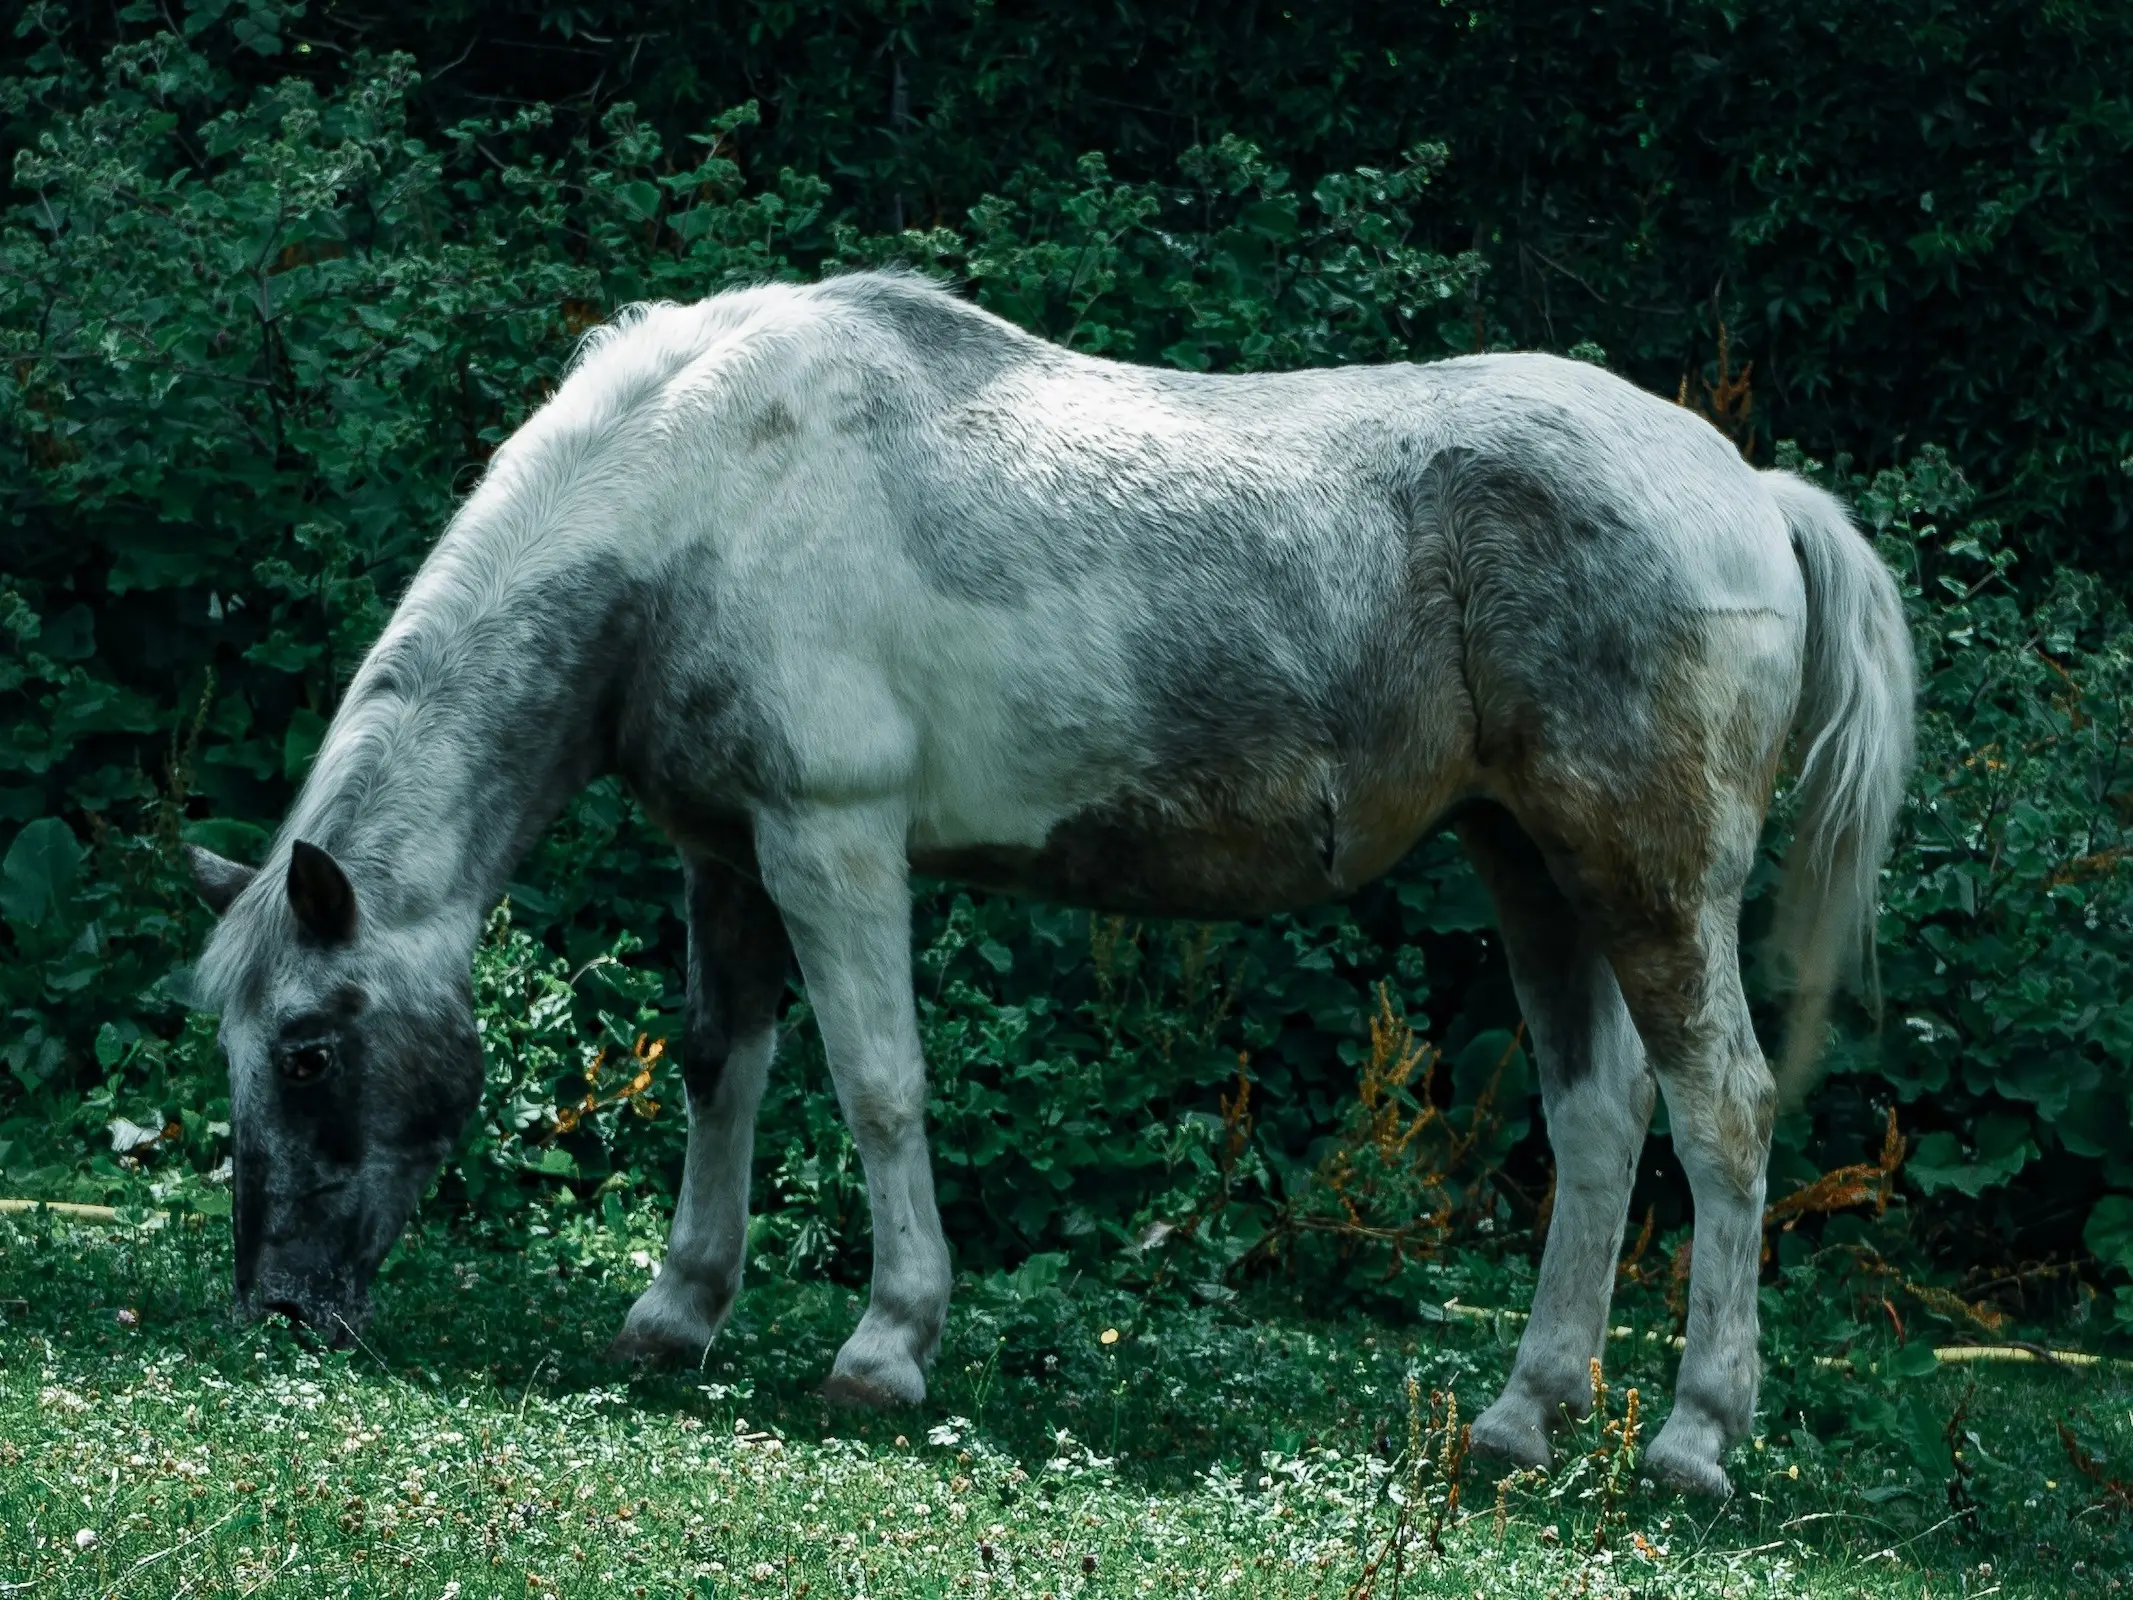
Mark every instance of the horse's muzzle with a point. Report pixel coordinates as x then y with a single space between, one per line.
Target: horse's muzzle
337 1312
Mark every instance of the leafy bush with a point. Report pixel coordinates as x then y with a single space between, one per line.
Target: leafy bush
1916 230
256 338
2007 944
563 1070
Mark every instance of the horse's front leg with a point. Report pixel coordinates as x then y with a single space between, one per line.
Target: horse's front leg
738 960
840 876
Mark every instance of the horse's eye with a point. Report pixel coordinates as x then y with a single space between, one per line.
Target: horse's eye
307 1063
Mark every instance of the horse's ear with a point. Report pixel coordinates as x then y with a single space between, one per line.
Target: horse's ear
320 894
218 879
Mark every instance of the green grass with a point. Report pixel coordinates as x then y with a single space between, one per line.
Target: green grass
149 1445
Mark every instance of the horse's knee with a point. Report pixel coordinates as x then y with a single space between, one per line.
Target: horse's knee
1722 1121
1749 1112
1600 1127
884 1116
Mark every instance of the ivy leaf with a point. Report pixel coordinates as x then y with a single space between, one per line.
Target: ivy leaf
1493 1058
2003 1149
2109 1234
638 199
1924 1436
1272 219
38 878
1446 896
1914 1360
283 653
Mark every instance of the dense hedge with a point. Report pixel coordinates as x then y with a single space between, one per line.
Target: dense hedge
1915 219
257 334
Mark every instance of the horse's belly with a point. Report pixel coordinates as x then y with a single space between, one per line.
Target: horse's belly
1139 864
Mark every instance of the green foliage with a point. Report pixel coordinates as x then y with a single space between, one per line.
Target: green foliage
256 333
1232 269
1914 230
39 876
2007 942
569 1057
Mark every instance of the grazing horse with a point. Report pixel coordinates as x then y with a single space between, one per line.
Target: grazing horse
854 580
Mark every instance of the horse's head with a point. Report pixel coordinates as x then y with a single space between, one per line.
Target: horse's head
353 1062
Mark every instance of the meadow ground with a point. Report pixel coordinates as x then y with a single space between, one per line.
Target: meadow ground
1079 1442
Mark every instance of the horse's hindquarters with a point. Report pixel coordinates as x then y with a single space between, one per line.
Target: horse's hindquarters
1634 729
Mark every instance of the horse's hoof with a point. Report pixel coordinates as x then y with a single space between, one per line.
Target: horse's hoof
643 1342
878 1367
672 1323
634 1349
1511 1431
855 1392
1686 1467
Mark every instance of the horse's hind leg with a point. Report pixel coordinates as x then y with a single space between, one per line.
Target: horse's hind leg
1681 976
1597 1094
1658 875
738 960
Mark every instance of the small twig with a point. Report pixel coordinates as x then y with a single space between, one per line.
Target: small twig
535 1378
71 1211
150 1560
2023 1351
360 1345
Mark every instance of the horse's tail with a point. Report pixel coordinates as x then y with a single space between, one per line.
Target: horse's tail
1855 725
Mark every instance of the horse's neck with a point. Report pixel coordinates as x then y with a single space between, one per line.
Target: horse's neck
470 724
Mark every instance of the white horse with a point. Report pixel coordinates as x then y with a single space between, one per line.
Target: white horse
855 579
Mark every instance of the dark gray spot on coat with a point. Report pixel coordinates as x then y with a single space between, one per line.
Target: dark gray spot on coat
958 565
738 960
960 348
1133 861
774 425
692 737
